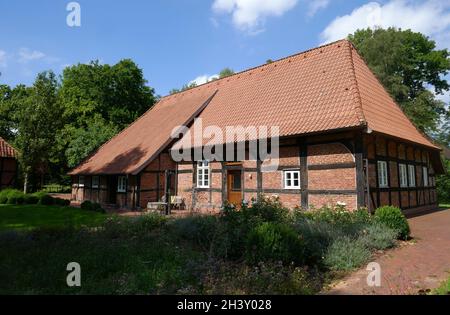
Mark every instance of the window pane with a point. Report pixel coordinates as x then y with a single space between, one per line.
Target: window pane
382 173
237 182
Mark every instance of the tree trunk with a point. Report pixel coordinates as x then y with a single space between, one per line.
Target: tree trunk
25 183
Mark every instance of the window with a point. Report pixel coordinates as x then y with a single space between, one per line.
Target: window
292 179
425 176
203 174
403 175
382 174
81 181
236 184
95 181
122 184
412 175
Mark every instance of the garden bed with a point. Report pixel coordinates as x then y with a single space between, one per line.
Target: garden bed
265 249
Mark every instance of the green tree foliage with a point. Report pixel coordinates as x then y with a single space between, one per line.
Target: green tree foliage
118 93
57 123
226 72
443 184
38 115
83 141
407 64
99 101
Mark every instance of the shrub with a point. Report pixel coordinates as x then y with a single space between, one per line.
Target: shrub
86 205
378 236
318 235
5 194
31 199
199 229
222 278
46 200
395 219
15 197
97 207
62 202
267 209
274 242
346 253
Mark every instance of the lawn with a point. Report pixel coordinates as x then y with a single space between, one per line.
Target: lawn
444 289
25 217
444 205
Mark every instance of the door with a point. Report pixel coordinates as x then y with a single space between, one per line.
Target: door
112 187
234 185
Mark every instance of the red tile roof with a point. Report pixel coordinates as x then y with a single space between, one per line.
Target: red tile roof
143 140
323 89
6 150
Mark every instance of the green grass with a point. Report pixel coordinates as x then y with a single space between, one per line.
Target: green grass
444 289
25 217
35 262
444 205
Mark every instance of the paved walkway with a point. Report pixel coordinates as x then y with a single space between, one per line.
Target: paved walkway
414 266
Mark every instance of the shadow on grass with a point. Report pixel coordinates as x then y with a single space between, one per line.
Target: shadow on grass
27 217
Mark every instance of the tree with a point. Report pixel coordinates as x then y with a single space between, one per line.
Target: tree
118 93
226 72
407 64
38 114
99 101
83 141
6 123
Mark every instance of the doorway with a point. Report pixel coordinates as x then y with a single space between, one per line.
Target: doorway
112 189
234 187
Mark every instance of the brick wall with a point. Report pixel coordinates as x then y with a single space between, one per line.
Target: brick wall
336 173
152 179
394 152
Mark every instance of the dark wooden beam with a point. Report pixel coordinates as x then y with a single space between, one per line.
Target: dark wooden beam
359 156
303 150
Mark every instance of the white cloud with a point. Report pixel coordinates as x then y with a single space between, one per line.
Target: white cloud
204 78
316 5
26 55
2 58
250 15
430 17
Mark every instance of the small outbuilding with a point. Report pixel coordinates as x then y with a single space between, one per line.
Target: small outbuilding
8 164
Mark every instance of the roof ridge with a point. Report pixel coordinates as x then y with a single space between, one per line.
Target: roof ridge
358 105
255 68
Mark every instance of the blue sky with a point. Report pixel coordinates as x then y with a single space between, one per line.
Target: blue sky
177 41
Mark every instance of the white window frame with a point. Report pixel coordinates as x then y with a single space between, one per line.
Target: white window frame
122 184
203 174
289 176
426 181
403 174
411 175
382 174
81 181
95 185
